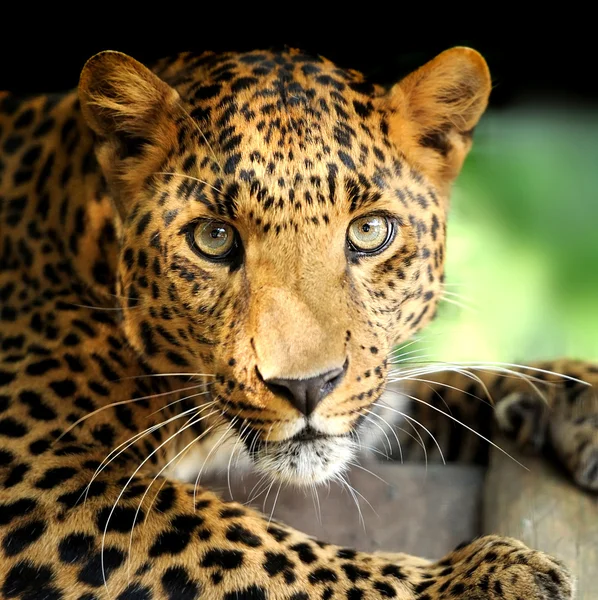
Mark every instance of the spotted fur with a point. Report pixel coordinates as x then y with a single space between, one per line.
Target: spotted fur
127 359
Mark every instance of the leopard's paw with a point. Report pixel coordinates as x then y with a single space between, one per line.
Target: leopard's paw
499 568
576 442
525 418
570 429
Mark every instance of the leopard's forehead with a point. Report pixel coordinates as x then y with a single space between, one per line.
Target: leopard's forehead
281 133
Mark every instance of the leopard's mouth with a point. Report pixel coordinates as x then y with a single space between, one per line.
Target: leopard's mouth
306 451
309 434
306 458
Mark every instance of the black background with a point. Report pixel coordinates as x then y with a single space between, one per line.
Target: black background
553 64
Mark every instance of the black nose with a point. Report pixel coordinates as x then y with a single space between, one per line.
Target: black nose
305 394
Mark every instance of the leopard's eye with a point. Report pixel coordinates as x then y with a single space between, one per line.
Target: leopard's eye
213 239
370 234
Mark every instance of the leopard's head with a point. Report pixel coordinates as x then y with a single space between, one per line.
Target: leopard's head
283 227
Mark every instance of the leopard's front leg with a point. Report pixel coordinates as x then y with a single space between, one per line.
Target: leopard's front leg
541 410
62 539
64 536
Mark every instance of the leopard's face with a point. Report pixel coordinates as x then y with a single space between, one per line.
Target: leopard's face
283 228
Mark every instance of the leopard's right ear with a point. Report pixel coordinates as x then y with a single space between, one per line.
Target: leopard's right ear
433 112
133 113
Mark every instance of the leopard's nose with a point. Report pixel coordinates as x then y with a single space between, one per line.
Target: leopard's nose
306 394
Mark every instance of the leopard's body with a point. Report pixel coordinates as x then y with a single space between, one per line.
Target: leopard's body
126 356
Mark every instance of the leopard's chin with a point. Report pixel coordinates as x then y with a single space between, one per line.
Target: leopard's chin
305 461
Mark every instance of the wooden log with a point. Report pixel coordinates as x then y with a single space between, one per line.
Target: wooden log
541 507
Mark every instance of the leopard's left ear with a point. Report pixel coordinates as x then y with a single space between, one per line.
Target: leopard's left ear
133 113
432 112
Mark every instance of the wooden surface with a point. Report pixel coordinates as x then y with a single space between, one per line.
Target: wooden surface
543 509
426 513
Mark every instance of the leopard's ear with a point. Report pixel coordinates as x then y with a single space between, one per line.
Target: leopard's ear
433 112
133 114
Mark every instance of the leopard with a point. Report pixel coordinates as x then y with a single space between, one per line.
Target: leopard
221 251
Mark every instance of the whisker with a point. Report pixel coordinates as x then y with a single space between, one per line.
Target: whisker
120 403
239 439
356 464
165 375
410 418
190 177
362 448
115 452
140 466
354 493
420 440
381 429
459 304
260 491
372 413
95 307
179 454
267 494
411 360
205 139
316 502
431 383
457 296
275 501
243 440
464 370
181 399
229 428
455 284
507 368
253 444
431 369
267 439
468 428
414 340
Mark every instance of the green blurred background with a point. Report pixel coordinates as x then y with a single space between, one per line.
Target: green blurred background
523 241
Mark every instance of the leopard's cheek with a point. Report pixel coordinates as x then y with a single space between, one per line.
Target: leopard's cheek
176 313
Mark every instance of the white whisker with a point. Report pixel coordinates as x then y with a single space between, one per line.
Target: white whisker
468 428
214 447
115 452
372 413
205 139
275 501
356 464
140 466
230 460
179 454
316 502
367 417
190 177
120 403
410 418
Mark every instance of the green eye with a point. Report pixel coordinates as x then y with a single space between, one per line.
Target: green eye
213 239
370 233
